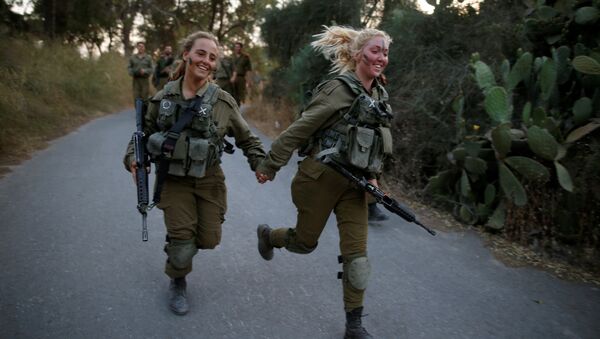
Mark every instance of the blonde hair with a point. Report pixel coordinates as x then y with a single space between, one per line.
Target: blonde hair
341 44
186 46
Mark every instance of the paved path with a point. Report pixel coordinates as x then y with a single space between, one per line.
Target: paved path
74 265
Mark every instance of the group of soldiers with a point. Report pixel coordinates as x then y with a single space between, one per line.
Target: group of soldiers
232 75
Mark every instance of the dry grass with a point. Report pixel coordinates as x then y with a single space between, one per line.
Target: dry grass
271 118
48 90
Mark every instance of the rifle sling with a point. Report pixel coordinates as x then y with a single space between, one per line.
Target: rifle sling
169 145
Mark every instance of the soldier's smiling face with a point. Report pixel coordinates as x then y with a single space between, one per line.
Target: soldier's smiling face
201 59
373 58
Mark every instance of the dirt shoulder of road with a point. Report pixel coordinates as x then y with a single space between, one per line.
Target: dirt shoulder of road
509 253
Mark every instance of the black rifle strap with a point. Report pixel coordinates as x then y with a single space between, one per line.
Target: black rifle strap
169 145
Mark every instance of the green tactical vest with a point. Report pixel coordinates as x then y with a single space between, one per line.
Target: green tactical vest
199 146
361 137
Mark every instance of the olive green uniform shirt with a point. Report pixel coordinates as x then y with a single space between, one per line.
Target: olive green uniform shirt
137 63
328 107
242 64
226 116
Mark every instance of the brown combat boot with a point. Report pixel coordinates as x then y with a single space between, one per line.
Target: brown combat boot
354 329
264 241
178 300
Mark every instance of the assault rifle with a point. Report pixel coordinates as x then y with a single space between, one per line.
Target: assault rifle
141 159
388 202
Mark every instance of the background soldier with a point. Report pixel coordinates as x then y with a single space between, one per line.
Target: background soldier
164 67
140 69
241 72
224 73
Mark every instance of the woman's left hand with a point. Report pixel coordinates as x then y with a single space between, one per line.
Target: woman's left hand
373 182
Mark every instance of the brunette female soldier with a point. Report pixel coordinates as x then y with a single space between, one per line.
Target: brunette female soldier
193 193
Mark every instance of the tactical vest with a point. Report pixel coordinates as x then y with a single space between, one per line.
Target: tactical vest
361 137
198 146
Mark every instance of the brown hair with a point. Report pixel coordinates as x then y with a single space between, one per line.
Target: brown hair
186 46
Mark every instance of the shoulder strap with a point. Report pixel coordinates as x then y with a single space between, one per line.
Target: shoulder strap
169 145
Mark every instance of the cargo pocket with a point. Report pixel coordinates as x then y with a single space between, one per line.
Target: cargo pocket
178 165
360 142
386 140
155 142
198 157
311 168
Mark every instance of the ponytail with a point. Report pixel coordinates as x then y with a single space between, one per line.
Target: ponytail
341 44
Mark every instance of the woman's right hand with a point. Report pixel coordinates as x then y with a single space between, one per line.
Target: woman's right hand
133 169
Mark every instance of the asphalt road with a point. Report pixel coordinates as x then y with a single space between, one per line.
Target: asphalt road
74 265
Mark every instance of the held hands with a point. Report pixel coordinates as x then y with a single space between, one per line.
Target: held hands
261 177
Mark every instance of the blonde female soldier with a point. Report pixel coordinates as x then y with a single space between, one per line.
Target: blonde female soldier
185 124
348 122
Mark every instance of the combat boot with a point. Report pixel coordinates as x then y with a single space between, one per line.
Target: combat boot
354 329
264 241
375 214
178 300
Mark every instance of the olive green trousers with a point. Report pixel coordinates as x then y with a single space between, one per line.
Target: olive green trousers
194 210
317 191
141 88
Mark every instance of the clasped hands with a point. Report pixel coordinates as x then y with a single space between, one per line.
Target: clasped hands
261 177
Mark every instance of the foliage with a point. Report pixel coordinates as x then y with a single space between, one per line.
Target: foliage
288 32
543 112
428 75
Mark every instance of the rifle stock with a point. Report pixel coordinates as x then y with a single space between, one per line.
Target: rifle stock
381 197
